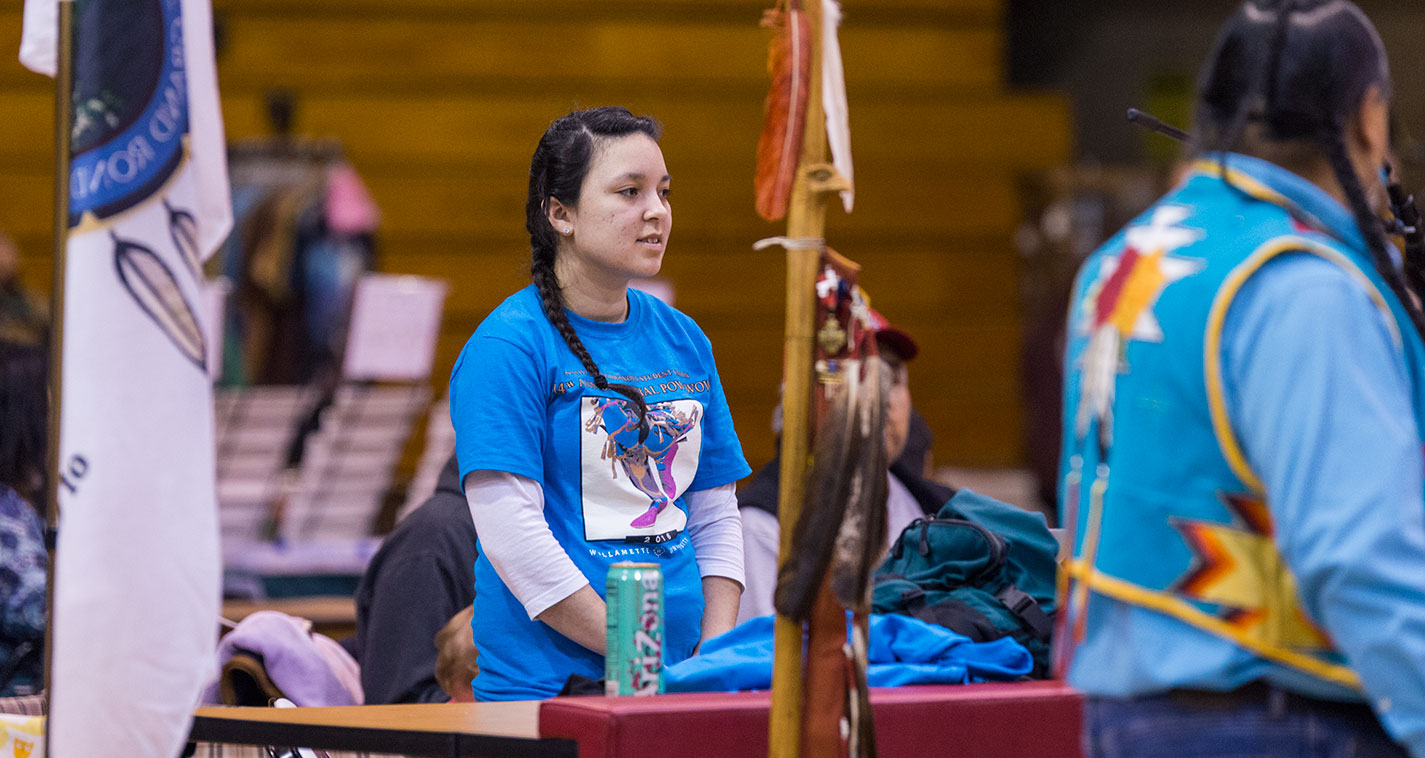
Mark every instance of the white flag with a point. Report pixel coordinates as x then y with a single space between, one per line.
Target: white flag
138 570
833 100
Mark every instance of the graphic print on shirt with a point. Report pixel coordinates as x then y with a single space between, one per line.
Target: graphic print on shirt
629 484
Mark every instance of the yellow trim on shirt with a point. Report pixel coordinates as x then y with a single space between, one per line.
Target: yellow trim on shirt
1254 188
1127 592
1212 342
1079 598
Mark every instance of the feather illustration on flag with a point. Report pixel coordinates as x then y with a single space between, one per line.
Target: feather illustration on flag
137 567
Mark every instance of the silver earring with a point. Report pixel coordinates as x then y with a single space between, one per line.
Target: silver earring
566 230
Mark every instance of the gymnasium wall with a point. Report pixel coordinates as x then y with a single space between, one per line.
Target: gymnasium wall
439 103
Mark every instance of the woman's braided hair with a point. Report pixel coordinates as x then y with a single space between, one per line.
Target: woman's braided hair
557 170
1300 69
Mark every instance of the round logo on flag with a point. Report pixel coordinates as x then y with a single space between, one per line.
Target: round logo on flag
129 104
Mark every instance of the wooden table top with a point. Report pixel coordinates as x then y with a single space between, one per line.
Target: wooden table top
911 721
321 610
450 729
515 719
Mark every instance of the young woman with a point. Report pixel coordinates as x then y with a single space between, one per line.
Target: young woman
1244 405
591 426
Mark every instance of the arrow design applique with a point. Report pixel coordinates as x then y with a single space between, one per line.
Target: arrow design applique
1237 566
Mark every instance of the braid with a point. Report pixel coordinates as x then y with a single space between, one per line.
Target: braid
1245 105
1224 139
1274 56
1334 145
552 301
1227 140
561 160
1302 82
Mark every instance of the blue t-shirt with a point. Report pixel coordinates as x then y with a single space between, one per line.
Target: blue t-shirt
522 403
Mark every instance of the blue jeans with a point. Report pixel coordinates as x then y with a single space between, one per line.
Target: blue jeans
1225 726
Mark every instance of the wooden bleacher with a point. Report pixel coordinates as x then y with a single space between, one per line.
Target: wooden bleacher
254 427
346 470
308 529
350 462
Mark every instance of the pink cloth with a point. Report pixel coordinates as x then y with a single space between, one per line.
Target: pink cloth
311 669
350 208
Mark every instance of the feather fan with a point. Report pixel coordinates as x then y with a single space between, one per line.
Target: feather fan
814 535
862 535
779 148
847 484
859 544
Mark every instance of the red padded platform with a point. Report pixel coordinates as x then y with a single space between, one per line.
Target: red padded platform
1039 719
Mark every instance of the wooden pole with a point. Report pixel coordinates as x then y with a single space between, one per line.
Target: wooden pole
63 122
806 220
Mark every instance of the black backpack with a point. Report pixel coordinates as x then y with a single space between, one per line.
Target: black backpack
982 568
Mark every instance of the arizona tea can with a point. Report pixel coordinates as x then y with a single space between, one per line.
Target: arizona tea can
633 663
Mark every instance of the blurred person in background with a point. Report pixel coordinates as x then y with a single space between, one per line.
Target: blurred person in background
422 576
24 410
1243 412
911 494
456 659
23 318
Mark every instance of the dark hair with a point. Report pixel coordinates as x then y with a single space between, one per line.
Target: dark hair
24 417
557 170
1299 69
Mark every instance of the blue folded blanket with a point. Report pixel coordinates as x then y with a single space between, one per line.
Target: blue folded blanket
903 650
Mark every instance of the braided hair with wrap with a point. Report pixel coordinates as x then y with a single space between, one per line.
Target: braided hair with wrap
1285 81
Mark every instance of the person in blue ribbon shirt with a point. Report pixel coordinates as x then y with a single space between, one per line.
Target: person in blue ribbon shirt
1244 401
591 426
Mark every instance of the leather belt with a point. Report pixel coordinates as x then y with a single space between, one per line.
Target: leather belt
1271 697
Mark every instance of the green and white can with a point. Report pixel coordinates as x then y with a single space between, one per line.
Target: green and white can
633 663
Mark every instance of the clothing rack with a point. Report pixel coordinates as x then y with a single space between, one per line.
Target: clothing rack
292 267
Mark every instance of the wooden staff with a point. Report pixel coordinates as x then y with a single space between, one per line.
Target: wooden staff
63 154
806 217
63 120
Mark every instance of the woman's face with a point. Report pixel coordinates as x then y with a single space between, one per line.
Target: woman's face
619 229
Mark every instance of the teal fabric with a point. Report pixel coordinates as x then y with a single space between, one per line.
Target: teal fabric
957 567
1033 550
